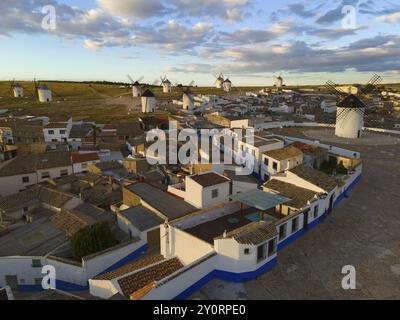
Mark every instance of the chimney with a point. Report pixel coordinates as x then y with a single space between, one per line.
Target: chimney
225 234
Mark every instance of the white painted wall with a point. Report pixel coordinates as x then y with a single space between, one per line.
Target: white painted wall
201 197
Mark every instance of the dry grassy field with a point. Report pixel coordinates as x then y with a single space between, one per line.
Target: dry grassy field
99 102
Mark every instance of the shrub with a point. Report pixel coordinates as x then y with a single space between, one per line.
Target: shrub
92 239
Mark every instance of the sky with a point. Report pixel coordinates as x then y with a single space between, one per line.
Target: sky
249 41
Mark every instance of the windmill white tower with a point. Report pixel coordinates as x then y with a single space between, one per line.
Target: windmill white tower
43 92
188 100
166 84
350 117
279 81
220 81
351 109
17 89
227 85
136 86
148 102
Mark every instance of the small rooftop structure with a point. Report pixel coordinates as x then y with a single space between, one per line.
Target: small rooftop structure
259 199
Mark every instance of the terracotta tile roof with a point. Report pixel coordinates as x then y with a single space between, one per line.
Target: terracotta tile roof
130 267
30 163
316 177
85 157
139 280
253 233
71 221
299 196
308 148
284 153
37 193
209 179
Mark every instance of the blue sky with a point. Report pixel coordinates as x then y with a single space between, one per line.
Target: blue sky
248 40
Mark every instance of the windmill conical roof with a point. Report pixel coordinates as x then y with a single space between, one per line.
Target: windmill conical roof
352 102
148 94
227 81
44 87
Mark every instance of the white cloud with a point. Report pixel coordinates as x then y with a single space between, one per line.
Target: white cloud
139 9
390 18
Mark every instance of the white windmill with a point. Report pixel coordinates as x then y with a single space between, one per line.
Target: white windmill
17 89
278 81
187 98
166 84
43 92
227 85
219 82
136 86
351 109
148 102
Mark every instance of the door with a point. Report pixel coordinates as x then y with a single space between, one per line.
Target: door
12 282
153 238
306 218
331 203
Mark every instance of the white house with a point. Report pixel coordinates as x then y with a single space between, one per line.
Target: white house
27 170
275 161
57 131
204 190
256 148
82 161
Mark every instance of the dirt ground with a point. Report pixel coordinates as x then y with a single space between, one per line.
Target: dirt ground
363 231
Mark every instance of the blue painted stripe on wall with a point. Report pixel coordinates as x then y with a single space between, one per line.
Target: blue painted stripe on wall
127 259
60 285
289 240
227 276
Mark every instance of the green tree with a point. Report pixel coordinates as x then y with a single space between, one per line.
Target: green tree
92 239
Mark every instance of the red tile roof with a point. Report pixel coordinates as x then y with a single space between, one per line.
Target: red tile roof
85 157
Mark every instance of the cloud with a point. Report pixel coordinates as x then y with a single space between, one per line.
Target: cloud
333 34
228 10
138 9
173 36
302 57
390 18
192 68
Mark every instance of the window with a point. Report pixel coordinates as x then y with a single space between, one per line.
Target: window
51 131
295 224
261 253
282 231
25 179
62 131
275 165
45 175
64 172
271 247
214 193
247 251
26 209
36 263
266 162
316 211
84 165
